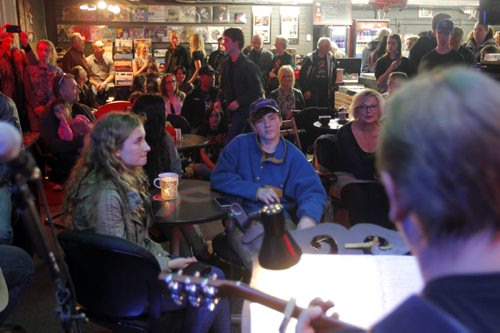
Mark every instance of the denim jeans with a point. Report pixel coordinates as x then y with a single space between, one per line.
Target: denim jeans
17 268
200 319
6 233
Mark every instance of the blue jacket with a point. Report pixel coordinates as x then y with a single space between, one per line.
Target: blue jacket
243 167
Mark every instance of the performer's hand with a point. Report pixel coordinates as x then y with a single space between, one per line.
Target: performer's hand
316 308
267 196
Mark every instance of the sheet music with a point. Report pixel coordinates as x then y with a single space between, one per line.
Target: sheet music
364 288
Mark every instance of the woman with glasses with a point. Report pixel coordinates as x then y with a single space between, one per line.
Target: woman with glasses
173 97
287 97
357 142
391 61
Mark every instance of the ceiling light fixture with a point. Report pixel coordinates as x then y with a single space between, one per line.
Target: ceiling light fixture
102 4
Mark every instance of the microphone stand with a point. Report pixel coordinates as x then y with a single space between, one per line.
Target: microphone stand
22 169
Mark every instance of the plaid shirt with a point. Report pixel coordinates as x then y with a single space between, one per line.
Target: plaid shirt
12 65
38 84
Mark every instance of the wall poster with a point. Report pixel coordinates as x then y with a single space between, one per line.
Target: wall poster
289 23
261 22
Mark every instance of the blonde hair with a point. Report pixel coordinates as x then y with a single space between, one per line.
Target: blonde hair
196 43
138 49
360 97
286 69
52 59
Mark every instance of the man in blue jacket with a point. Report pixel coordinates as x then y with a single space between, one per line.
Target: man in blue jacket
263 168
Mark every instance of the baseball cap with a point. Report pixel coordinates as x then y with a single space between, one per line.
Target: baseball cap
439 17
445 26
206 70
261 107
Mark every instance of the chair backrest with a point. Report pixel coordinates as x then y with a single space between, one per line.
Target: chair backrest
113 277
326 154
305 121
119 106
290 131
179 122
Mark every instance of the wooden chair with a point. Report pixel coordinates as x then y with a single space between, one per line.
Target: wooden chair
289 130
120 106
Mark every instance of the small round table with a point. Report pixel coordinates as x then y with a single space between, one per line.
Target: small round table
195 204
331 127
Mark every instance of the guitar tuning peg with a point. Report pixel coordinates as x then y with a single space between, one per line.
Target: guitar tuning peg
210 303
197 274
213 276
177 297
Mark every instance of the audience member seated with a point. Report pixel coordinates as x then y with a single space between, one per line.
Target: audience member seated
102 70
163 156
201 99
70 127
108 194
442 182
143 60
358 183
287 97
181 75
38 82
391 61
214 128
64 86
138 88
74 55
263 168
395 81
64 153
173 97
86 95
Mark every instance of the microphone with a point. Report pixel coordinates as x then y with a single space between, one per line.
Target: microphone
10 142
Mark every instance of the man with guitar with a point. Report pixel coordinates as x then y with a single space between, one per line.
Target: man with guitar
438 159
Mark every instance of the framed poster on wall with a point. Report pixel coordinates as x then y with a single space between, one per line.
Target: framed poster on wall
289 23
261 22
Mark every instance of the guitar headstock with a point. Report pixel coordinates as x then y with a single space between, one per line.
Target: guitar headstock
199 291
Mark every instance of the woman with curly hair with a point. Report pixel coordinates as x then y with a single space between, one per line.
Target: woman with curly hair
108 194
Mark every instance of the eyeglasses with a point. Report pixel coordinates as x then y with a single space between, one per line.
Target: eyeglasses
366 107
